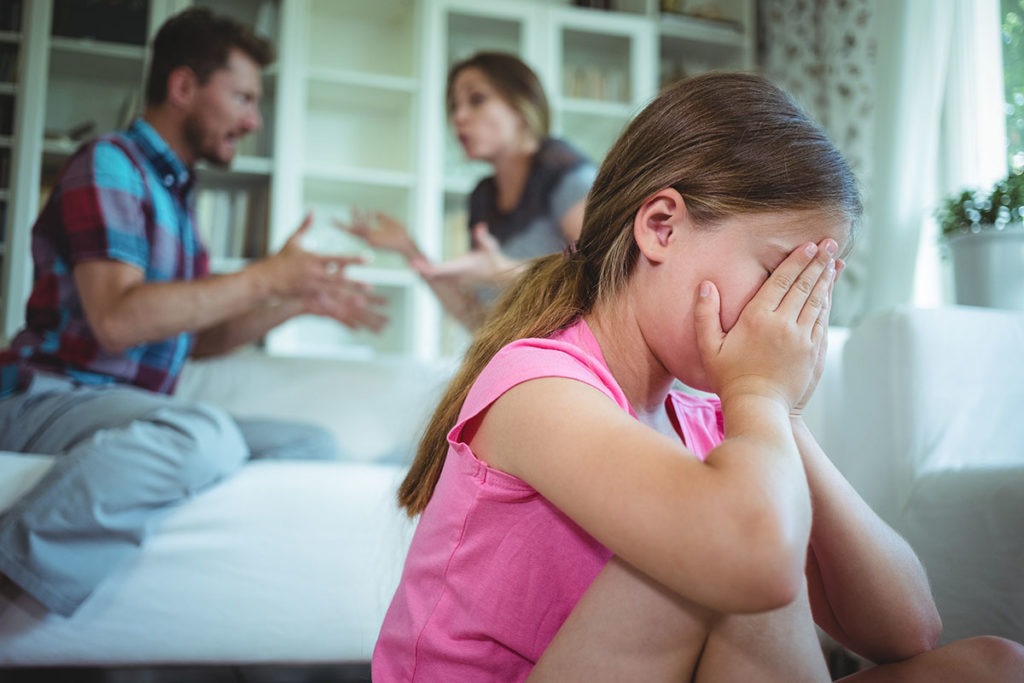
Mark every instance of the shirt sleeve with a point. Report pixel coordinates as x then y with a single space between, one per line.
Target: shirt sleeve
528 359
104 207
571 190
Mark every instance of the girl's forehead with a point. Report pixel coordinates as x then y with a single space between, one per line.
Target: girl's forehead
800 226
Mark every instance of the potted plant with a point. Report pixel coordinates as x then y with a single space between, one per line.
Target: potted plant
984 233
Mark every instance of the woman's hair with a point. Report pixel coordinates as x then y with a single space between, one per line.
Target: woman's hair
729 143
517 84
202 41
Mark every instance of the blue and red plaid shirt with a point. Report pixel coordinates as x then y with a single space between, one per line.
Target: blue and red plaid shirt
123 197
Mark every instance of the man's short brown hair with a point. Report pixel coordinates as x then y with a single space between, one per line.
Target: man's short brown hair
202 41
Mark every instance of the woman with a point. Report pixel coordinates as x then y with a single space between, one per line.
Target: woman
531 206
582 520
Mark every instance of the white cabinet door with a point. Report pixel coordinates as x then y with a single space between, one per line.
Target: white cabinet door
13 86
602 70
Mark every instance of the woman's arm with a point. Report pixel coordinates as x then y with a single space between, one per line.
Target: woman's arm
867 588
382 231
572 222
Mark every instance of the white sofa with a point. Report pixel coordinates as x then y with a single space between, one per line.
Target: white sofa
924 415
284 563
292 562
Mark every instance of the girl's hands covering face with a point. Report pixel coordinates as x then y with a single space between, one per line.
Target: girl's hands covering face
819 363
776 348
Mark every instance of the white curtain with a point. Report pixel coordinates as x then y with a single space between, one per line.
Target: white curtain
922 117
939 128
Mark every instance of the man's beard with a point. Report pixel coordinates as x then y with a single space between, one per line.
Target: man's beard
195 136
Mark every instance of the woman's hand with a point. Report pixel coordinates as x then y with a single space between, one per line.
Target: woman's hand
486 263
776 345
381 231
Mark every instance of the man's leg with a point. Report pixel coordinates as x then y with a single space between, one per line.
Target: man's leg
286 440
127 456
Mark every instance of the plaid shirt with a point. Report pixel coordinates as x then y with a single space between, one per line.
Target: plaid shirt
123 197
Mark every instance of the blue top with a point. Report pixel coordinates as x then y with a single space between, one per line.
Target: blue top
126 197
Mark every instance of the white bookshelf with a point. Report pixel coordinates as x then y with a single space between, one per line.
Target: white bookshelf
354 118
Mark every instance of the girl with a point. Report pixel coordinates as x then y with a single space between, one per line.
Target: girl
531 206
582 520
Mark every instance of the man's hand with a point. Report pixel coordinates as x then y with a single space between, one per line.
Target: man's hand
320 282
351 303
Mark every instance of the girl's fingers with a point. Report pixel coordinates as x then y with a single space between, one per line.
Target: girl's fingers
804 289
819 333
818 298
781 281
825 283
707 317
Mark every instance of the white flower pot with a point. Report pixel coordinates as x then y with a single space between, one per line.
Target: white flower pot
988 267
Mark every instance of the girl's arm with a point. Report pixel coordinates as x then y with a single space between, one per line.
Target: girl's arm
730 534
867 588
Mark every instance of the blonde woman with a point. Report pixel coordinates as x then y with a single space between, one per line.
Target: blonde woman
531 206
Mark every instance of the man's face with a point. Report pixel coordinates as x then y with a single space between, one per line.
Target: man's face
225 110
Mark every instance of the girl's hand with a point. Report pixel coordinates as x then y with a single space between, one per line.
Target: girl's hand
776 344
819 364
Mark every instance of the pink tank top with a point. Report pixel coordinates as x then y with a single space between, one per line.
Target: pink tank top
494 568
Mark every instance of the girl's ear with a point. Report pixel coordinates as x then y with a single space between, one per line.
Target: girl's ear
657 220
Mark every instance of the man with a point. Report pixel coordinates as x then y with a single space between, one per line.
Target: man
122 297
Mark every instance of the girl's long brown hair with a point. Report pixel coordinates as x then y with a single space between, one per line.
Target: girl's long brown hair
729 143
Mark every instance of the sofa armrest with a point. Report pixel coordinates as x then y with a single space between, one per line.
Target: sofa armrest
967 527
928 390
826 405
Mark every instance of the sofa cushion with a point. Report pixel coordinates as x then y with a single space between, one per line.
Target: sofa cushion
375 409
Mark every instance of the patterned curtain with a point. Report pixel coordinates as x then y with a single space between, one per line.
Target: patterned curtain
822 52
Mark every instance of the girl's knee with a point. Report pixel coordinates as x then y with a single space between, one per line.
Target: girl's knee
1002 659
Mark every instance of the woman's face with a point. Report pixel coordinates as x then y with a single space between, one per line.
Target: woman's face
485 124
738 255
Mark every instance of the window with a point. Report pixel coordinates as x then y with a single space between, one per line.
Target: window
1012 12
